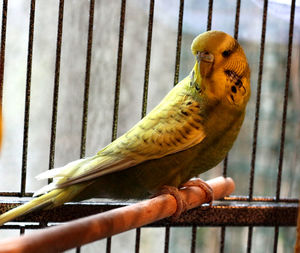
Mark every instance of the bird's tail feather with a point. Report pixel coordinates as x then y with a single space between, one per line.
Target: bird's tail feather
63 171
52 199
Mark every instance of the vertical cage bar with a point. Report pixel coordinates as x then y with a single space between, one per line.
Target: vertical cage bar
108 245
56 83
249 240
284 113
285 102
87 84
137 240
87 79
179 39
225 163
257 109
2 53
209 15
167 239
119 69
145 90
117 87
225 166
222 242
276 231
27 98
176 77
2 58
237 19
193 241
148 56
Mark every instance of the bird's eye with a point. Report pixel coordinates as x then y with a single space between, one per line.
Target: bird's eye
226 53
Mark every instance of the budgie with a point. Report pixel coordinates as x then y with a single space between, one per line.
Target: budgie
189 132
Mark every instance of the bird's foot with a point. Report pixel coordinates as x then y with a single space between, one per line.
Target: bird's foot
204 186
181 204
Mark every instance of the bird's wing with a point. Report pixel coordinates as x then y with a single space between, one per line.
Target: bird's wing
174 125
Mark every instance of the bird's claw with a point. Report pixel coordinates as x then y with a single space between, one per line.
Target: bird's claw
172 190
204 186
181 204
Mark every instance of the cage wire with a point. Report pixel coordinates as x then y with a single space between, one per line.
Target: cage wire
69 68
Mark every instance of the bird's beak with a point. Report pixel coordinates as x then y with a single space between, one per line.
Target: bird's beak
205 62
205 56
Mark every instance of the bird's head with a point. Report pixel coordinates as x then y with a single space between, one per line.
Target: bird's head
222 66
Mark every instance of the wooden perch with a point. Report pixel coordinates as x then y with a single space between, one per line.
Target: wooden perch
85 230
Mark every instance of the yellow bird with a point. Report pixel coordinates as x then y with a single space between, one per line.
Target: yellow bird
188 133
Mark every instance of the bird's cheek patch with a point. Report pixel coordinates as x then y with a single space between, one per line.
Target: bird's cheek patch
235 93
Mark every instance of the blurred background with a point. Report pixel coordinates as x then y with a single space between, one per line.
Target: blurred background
161 80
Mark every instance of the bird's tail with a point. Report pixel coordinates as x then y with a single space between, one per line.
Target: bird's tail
52 195
52 199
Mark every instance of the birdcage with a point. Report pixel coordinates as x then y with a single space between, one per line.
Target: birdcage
77 74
